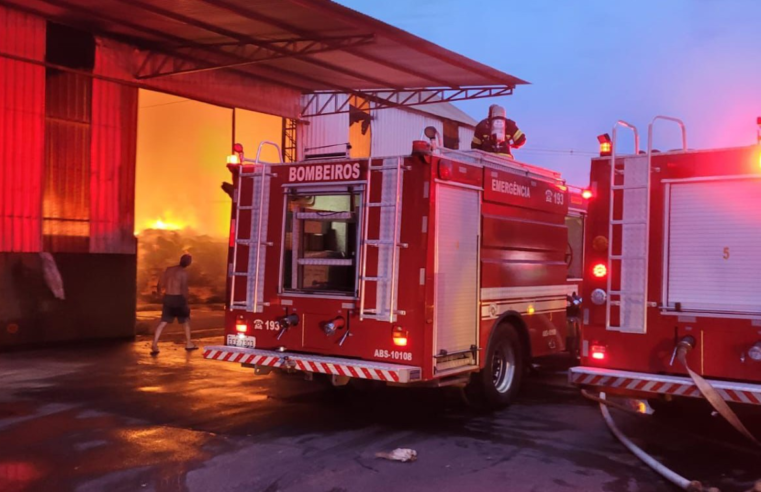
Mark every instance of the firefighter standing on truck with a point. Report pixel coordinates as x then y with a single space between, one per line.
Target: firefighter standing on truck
497 134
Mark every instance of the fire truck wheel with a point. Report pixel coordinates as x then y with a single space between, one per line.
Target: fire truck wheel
497 385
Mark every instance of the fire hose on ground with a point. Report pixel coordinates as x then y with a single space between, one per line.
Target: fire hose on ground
667 473
709 393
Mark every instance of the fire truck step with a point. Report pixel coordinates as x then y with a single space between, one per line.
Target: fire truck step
338 366
624 187
384 242
383 168
736 392
628 222
327 216
249 242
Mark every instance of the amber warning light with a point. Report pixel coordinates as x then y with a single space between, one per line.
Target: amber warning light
400 337
605 144
237 155
586 194
600 270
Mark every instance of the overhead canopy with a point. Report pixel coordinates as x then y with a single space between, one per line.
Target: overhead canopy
309 45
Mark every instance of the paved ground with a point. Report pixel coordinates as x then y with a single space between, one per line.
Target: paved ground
205 321
113 418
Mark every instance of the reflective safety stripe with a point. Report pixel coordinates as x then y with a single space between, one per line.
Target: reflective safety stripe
518 134
662 384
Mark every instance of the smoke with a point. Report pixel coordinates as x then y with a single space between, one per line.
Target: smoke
159 249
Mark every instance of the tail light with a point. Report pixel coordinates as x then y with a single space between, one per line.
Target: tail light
600 270
597 352
241 326
400 336
586 194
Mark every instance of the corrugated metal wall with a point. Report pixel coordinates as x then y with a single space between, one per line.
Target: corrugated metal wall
466 136
323 130
394 130
66 192
22 100
113 154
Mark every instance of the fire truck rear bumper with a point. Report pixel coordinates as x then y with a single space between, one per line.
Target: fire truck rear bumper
637 382
334 366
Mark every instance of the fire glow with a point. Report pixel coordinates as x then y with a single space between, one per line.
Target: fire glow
165 225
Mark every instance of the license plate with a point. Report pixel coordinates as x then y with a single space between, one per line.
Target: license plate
244 342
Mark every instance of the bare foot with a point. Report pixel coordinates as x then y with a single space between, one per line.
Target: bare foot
154 350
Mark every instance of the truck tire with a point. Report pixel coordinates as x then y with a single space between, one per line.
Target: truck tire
497 385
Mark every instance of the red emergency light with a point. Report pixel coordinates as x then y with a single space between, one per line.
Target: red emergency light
600 270
241 326
586 194
605 144
445 171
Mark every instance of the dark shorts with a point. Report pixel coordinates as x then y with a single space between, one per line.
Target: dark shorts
175 307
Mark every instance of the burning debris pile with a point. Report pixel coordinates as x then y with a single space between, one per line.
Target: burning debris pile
159 249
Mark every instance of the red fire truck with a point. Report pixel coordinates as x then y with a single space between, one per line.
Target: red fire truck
673 273
442 267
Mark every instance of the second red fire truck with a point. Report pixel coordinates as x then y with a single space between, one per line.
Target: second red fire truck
672 284
441 267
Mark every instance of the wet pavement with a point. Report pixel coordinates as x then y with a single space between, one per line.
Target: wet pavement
111 417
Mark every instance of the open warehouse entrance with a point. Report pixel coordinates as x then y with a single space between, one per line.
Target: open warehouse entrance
180 207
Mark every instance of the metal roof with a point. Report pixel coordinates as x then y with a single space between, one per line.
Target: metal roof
310 45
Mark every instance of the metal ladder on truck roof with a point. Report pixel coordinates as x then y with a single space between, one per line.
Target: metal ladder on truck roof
631 194
387 243
255 237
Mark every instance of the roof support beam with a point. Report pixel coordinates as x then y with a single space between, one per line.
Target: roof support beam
250 40
270 77
269 74
259 54
324 103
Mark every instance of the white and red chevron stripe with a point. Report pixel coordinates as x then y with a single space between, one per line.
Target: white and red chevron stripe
337 366
660 384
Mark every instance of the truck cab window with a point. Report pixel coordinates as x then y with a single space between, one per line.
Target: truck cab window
321 243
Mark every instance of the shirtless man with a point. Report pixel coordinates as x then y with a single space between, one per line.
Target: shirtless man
174 285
